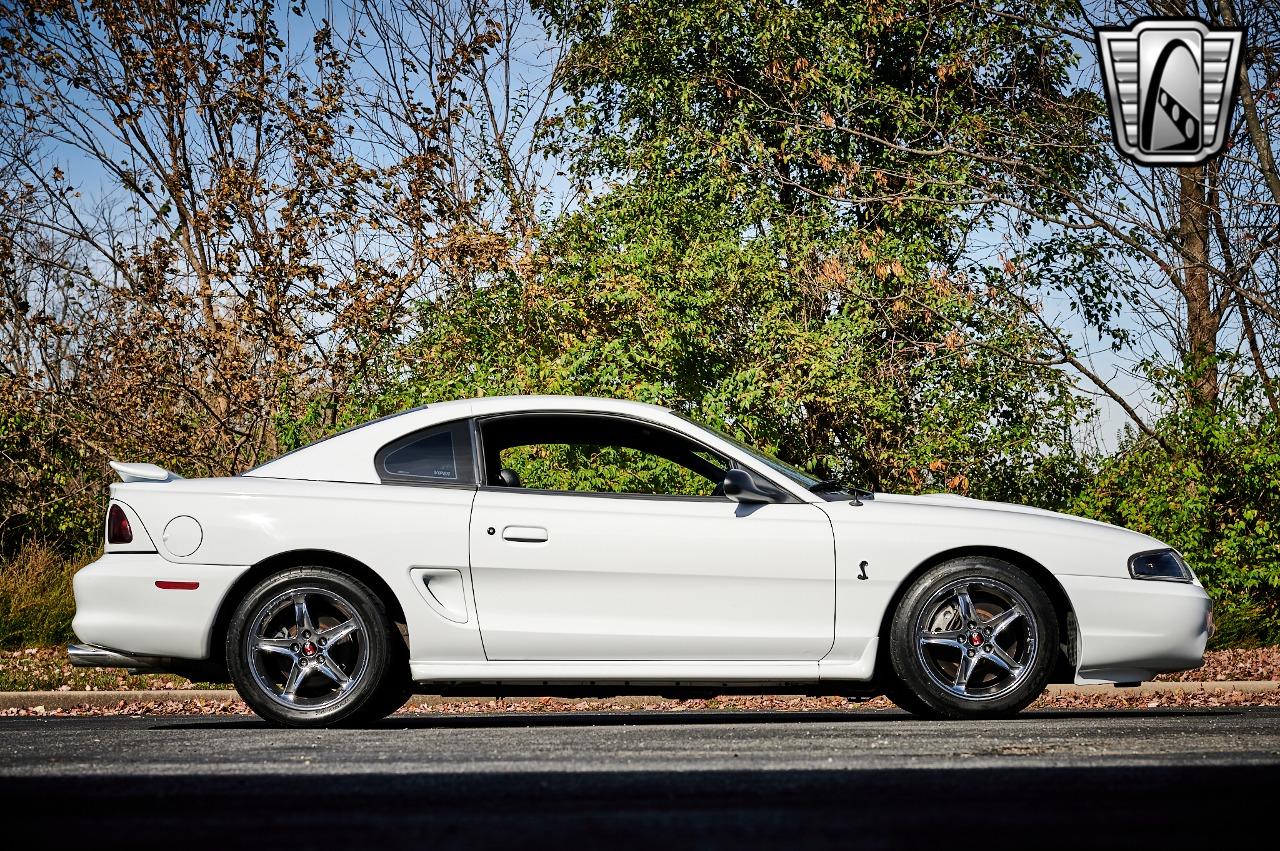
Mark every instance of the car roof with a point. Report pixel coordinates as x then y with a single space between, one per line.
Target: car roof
348 455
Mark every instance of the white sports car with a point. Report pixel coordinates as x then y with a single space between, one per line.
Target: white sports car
563 545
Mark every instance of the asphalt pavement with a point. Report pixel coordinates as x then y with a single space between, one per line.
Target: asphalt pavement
1168 778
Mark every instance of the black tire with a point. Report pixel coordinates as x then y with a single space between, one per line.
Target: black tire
298 680
905 700
396 688
390 698
990 664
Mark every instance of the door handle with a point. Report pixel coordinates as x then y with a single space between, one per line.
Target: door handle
525 534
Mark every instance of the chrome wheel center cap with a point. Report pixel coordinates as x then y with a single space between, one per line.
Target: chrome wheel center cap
975 638
309 649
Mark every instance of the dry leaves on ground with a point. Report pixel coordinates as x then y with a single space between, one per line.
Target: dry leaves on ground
49 669
133 708
1132 699
1256 663
1118 700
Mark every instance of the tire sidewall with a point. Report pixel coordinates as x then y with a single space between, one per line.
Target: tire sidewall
908 669
359 596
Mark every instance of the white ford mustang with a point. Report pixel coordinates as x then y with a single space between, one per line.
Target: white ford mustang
562 545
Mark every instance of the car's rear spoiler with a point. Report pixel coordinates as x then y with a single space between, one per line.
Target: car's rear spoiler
143 472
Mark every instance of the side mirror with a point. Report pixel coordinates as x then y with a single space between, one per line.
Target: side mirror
741 486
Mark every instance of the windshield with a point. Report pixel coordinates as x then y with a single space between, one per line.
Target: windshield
800 477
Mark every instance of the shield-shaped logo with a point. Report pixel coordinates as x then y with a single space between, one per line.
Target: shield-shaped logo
1171 84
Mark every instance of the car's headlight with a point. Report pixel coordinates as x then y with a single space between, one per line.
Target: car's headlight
1159 564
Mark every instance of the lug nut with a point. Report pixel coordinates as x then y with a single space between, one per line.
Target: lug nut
295 647
971 652
986 648
323 642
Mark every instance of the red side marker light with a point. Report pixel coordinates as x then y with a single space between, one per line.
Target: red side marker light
118 529
170 585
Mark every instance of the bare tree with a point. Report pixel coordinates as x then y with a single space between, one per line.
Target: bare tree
1200 246
251 241
474 83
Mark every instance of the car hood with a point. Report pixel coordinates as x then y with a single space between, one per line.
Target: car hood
964 503
912 529
953 509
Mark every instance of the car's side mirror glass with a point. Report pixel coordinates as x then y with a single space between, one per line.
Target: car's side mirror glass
741 486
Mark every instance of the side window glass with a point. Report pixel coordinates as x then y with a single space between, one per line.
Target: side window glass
602 469
597 454
438 455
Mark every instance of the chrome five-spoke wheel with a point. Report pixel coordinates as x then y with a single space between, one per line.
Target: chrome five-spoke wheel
314 647
310 648
972 637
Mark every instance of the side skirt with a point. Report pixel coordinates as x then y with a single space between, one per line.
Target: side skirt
612 679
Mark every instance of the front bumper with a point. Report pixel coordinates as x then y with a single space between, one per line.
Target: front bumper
141 606
1132 629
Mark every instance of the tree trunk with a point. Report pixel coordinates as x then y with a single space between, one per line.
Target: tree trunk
1202 321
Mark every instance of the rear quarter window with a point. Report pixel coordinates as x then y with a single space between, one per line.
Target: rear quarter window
438 454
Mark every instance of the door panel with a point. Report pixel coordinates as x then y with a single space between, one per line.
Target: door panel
562 576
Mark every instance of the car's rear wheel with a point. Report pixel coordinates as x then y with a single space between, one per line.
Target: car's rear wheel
313 647
973 637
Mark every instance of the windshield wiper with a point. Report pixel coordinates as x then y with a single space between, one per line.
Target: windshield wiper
836 486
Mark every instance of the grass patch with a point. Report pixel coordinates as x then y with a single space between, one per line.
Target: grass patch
36 601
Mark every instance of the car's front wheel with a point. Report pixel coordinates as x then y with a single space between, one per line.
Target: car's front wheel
973 637
312 647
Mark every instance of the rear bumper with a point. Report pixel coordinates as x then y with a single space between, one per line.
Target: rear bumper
143 607
1131 629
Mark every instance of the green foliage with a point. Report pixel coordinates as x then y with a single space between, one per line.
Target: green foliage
1215 496
898 381
777 254
51 486
898 109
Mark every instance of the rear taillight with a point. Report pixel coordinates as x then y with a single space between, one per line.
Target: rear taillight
118 529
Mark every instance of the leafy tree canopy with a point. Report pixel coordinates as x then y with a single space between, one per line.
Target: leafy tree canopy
776 249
